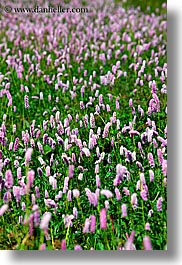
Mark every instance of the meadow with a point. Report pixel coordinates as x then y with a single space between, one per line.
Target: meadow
83 127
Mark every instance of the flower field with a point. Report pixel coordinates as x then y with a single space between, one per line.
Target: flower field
83 126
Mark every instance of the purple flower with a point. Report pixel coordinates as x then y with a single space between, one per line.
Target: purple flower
118 194
124 210
160 156
144 195
16 144
151 160
147 226
69 198
92 223
42 246
39 171
151 174
78 247
106 130
134 200
68 220
106 193
26 102
159 204
3 209
86 226
126 191
147 243
37 192
45 221
86 151
129 243
92 120
8 179
63 244
75 212
28 155
30 178
164 167
103 219
97 181
71 171
139 165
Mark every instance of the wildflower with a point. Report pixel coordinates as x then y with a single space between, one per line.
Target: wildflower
42 246
3 209
103 219
129 243
75 212
106 130
30 178
147 243
37 192
16 144
92 120
151 160
164 167
19 175
97 181
26 102
63 244
107 193
144 195
86 151
71 171
45 221
77 247
118 194
159 204
69 196
28 155
160 156
151 174
147 226
124 210
68 220
76 193
8 179
86 226
134 200
92 223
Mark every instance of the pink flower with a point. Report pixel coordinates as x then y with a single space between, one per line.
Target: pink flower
42 246
147 243
92 223
3 209
124 210
45 221
63 244
134 200
28 155
129 243
147 226
86 226
106 130
26 101
103 218
159 204
30 177
76 193
78 247
151 174
8 179
86 151
106 193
